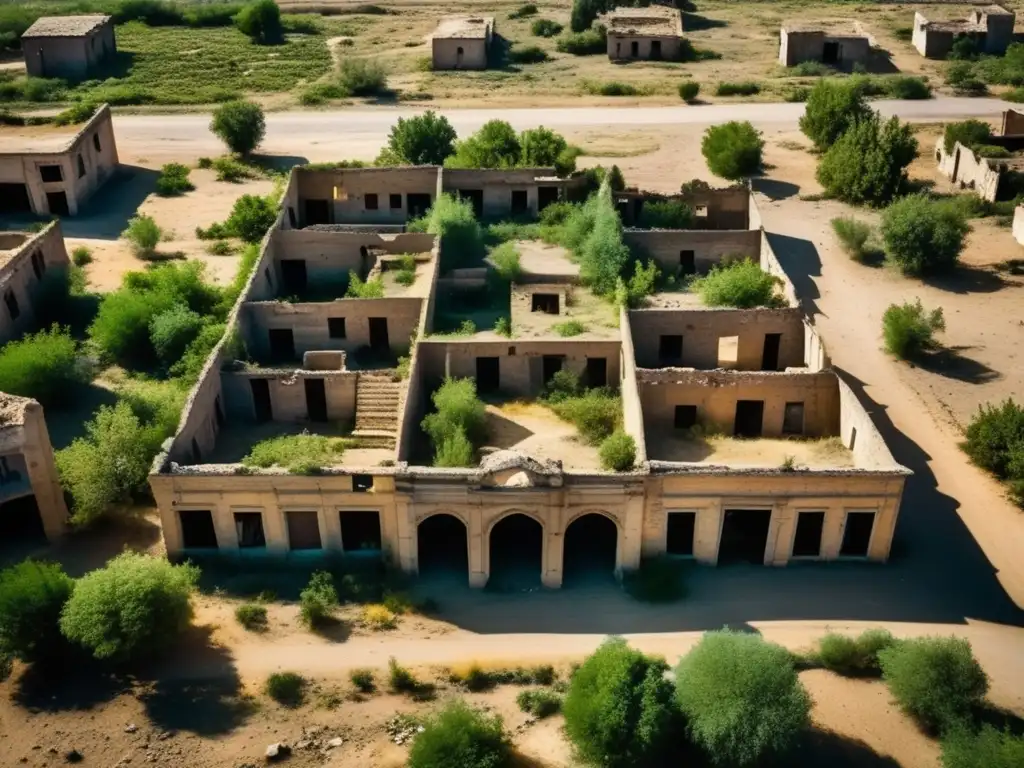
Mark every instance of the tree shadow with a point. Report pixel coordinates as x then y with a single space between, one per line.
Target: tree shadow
333 629
75 682
106 214
819 747
967 279
1000 719
693 22
951 364
774 189
66 423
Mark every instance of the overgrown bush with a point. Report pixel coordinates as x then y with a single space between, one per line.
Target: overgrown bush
741 284
240 125
587 43
135 607
907 329
456 423
261 21
745 88
427 139
173 180
363 77
970 133
867 163
853 236
995 440
462 239
569 328
619 711
251 217
657 580
143 235
523 11
960 75
44 365
495 145
231 170
286 688
400 679
741 697
530 54
363 289
81 256
617 452
32 596
318 600
854 656
923 236
378 617
171 331
252 616
363 680
593 232
665 214
986 748
459 735
732 150
546 28
688 91
595 413
505 260
833 106
539 702
936 680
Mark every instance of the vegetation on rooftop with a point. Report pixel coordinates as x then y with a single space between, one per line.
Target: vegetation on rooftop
300 454
741 284
456 426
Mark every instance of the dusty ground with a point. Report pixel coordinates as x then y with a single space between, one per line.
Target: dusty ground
534 429
762 452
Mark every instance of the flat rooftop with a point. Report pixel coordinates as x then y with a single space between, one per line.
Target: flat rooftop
19 139
464 27
65 26
236 440
653 20
749 453
831 29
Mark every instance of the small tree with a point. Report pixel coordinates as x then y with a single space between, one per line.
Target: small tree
833 106
733 150
143 235
908 329
495 145
173 180
426 139
619 711
171 331
261 20
133 608
970 133
362 77
461 736
462 239
542 147
741 697
318 600
922 236
32 596
936 680
988 748
867 163
458 420
995 439
618 452
240 125
688 90
44 365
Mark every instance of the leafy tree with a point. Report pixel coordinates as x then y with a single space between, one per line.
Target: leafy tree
617 452
457 420
936 680
833 106
988 748
362 77
995 439
740 284
583 14
970 133
171 331
495 145
135 607
426 139
240 125
541 147
733 150
461 736
32 595
462 239
261 21
741 697
619 711
923 236
44 365
908 329
868 163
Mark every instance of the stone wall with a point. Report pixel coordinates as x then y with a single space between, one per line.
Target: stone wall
30 260
452 53
346 192
497 186
770 263
620 47
632 414
709 247
68 57
330 255
809 45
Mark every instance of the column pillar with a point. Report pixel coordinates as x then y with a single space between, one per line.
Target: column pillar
479 560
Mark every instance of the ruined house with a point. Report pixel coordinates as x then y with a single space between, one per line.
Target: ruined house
69 47
652 33
835 45
990 27
462 42
27 261
991 178
749 447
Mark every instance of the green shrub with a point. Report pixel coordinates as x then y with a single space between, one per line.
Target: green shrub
992 152
261 21
1016 95
427 139
541 147
400 679
359 289
459 735
665 214
363 680
907 87
732 150
32 596
742 284
611 88
970 133
191 363
995 439
143 235
363 77
908 329
505 260
320 93
833 106
240 125
295 451
523 11
619 711
530 54
134 607
854 656
251 217
586 43
867 163
231 170
569 328
76 114
462 239
252 616
601 251
595 413
286 688
546 28
987 748
173 180
456 424
495 145
688 91
960 75
539 702
318 600
617 452
503 327
44 365
853 236
745 88
657 580
171 331
81 256
741 697
922 236
936 680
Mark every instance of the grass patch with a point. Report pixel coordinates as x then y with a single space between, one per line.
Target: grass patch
299 454
570 328
611 88
252 616
745 88
539 703
742 284
286 688
854 237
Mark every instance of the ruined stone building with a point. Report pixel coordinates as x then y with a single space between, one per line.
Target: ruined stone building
69 47
991 178
991 28
54 170
749 447
462 42
653 33
835 45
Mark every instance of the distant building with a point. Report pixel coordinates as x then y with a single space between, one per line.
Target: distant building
991 178
653 33
25 261
990 27
837 46
462 42
68 46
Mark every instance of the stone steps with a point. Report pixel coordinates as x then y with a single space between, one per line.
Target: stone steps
378 398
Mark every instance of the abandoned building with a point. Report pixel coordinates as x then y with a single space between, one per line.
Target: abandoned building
840 47
749 447
652 33
990 27
991 178
462 42
27 260
54 171
69 47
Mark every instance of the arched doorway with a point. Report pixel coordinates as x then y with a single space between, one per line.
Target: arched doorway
442 548
516 553
590 546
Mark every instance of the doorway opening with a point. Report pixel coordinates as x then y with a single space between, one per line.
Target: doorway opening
744 536
416 204
360 531
282 344
656 49
476 197
728 351
685 417
670 349
57 202
807 540
293 276
596 374
316 399
770 355
379 341
197 531
857 534
830 53
634 49
317 212
520 202
488 376
442 547
679 534
552 365
303 530
793 419
591 544
261 400
687 262
544 302
516 545
749 417
14 199
546 196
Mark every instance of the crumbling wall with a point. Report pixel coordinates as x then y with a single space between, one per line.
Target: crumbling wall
330 255
288 394
632 414
709 247
24 268
770 263
965 168
1013 123
860 435
346 192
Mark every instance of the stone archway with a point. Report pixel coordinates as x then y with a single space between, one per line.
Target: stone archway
590 550
515 553
442 547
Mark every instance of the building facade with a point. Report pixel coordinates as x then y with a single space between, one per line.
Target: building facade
69 47
841 48
653 33
462 42
990 27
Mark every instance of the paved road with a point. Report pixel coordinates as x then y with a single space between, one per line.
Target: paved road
345 133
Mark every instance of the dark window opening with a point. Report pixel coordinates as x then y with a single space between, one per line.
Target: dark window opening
516 545
197 455
362 483
261 399
807 541
442 547
303 530
634 49
596 374
12 305
770 354
520 201
57 202
197 531
38 264
395 202
670 348
655 49
830 53
266 274
488 376
793 419
552 364
96 142
546 196
336 327
316 399
417 204
293 276
371 202
14 198
591 546
317 211
249 529
744 536
685 416
857 534
679 536
544 302
379 334
51 173
81 167
360 531
292 222
749 418
282 344
687 262
475 197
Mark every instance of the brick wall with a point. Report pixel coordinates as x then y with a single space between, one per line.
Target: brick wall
709 247
288 394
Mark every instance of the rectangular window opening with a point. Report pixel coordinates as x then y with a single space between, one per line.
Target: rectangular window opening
395 202
336 327
51 173
670 348
728 351
249 529
679 538
685 416
360 531
371 202
807 540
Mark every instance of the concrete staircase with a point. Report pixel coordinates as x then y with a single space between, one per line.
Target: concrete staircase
378 398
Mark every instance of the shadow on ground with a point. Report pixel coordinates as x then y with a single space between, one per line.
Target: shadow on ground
951 363
819 747
106 214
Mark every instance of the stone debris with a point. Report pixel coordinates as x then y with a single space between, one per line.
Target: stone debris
402 729
277 752
131 728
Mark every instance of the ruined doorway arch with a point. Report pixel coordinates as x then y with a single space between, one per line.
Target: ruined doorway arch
515 553
590 553
442 548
